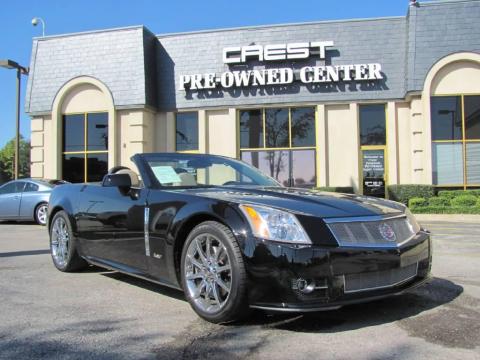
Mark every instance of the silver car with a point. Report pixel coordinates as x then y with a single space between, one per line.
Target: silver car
26 199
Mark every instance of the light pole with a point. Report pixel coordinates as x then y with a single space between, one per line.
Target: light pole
9 64
35 21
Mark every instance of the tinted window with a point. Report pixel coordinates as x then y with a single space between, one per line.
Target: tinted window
251 129
446 116
29 187
73 133
372 124
472 117
187 131
8 188
276 128
74 167
97 167
303 126
97 131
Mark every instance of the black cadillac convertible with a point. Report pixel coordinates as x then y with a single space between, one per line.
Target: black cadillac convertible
234 239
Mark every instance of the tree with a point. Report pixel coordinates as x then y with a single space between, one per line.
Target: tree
7 160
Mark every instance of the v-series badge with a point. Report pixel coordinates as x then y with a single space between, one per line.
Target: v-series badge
275 52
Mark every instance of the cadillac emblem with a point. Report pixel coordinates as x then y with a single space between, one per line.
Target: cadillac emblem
387 232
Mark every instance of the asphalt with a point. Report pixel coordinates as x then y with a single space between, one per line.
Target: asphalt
98 314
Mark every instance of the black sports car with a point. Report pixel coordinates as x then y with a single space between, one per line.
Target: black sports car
233 238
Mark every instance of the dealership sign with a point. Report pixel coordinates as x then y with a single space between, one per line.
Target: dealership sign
281 75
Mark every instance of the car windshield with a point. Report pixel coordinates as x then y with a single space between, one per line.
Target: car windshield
184 170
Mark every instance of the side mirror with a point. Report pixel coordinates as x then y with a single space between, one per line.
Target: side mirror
122 181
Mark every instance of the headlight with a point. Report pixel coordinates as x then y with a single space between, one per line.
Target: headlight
273 224
415 227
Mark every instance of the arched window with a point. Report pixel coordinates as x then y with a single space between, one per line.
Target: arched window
455 125
84 112
85 146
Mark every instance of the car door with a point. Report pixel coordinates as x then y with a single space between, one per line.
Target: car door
10 199
32 195
111 226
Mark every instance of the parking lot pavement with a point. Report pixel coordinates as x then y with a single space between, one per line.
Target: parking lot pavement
100 314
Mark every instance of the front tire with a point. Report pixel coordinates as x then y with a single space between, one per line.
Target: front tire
41 214
62 245
213 273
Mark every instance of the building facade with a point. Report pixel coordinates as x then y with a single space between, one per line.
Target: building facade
354 103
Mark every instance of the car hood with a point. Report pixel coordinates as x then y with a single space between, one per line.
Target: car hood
302 201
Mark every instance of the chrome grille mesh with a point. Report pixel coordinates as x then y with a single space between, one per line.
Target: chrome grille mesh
379 279
372 233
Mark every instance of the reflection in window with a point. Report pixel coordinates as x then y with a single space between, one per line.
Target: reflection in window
13 187
284 129
82 152
30 187
303 168
288 167
372 124
472 117
251 129
303 127
446 113
275 164
456 140
97 167
276 128
97 126
186 129
73 132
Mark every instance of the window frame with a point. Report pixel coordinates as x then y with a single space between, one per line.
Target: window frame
464 141
193 151
289 148
85 151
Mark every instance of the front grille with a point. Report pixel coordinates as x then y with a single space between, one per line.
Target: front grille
379 279
373 233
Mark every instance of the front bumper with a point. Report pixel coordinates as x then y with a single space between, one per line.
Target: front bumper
335 276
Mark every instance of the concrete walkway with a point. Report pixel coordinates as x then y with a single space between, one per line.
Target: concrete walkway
463 218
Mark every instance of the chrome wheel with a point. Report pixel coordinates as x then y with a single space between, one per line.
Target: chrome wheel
208 273
42 214
60 241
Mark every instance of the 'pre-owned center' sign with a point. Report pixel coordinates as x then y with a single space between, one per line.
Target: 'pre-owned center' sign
280 76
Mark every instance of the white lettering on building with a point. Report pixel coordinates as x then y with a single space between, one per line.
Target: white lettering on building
282 75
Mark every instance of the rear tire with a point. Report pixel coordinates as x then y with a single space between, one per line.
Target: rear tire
63 245
213 274
41 214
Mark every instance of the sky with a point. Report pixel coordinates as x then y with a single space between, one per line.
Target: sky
16 30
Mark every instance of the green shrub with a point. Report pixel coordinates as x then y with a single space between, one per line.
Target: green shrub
438 201
338 189
475 192
478 202
417 202
446 210
450 194
464 201
403 193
